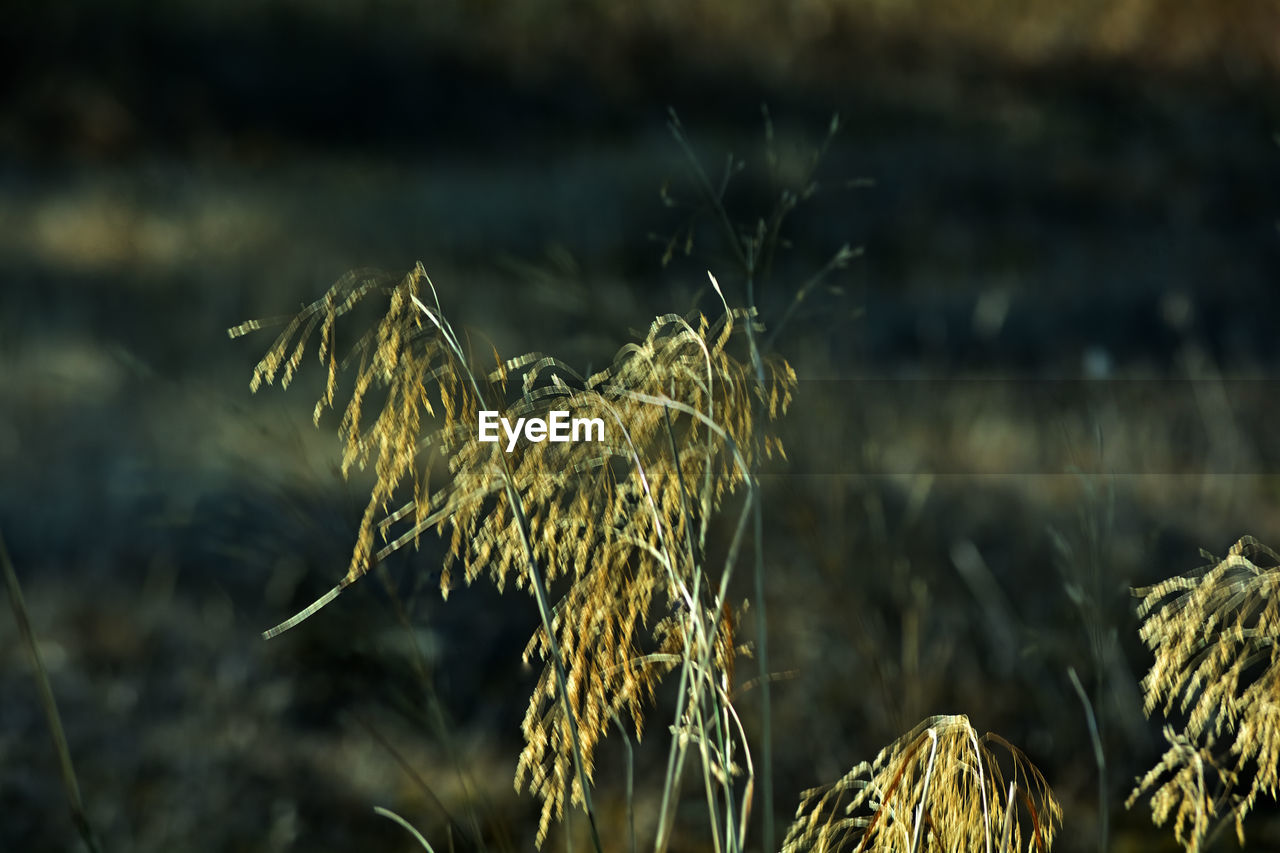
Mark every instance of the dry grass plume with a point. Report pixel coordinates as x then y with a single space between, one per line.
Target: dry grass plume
1217 662
939 787
622 522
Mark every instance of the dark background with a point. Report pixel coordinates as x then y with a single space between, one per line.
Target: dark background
1062 331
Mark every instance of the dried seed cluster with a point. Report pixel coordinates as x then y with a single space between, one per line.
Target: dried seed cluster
1216 639
623 521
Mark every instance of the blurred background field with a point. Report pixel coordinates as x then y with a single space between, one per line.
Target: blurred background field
1051 375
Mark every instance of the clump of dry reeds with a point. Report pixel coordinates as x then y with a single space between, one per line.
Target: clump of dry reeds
1216 638
624 520
940 787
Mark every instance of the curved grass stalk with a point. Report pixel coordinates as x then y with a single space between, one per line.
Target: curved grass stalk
546 512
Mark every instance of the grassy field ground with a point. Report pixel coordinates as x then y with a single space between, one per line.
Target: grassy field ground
1050 377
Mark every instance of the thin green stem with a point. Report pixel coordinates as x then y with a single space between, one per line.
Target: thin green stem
746 250
70 783
1099 757
631 782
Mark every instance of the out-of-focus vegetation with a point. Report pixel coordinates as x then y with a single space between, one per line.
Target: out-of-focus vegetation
818 38
784 37
83 64
1046 379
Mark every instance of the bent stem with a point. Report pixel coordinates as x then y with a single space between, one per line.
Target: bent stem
404 824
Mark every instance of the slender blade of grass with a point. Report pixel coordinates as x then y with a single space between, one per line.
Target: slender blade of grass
70 784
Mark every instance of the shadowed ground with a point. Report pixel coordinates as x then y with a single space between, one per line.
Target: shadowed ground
1054 201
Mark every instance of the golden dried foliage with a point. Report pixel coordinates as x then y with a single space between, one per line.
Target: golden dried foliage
622 520
939 787
1215 637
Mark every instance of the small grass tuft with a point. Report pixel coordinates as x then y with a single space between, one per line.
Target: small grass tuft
940 787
